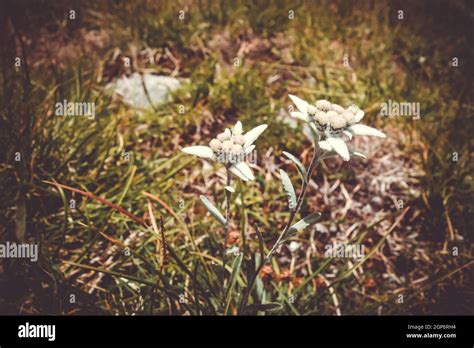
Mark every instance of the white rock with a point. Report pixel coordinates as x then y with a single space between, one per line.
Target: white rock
131 91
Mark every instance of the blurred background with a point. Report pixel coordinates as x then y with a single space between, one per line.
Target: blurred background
205 65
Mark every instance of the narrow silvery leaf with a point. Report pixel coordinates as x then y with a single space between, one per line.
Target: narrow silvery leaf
237 128
348 134
358 154
212 209
265 307
359 115
362 129
324 145
230 189
307 221
233 278
253 134
200 151
334 153
243 171
249 149
290 191
298 164
340 147
314 131
300 115
301 105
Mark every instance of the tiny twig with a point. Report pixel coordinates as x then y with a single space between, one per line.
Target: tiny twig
104 201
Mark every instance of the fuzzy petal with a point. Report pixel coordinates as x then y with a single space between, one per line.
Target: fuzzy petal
358 154
352 153
348 134
340 147
249 149
243 171
324 145
301 105
362 129
237 128
300 115
200 151
359 115
253 134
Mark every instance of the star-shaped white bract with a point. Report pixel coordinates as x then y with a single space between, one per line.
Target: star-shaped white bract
230 148
330 121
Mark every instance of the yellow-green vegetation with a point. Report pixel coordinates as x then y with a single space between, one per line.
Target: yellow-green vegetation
134 237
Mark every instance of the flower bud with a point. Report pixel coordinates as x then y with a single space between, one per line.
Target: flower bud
336 120
348 116
215 144
339 109
322 118
311 109
353 108
236 149
238 139
323 105
227 145
225 135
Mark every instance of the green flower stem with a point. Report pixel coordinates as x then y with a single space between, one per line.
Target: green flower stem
227 222
314 162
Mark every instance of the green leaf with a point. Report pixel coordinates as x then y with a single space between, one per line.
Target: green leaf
266 307
290 191
233 278
305 222
315 132
260 244
297 162
213 210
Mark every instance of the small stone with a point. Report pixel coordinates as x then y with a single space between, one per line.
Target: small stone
215 144
234 238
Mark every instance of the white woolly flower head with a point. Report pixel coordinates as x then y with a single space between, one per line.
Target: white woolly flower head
230 148
330 121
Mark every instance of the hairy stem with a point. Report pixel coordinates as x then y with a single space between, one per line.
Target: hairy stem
227 222
314 161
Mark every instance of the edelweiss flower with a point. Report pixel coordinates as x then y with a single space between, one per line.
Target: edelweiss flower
230 148
331 121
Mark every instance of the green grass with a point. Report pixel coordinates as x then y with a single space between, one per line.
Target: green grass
384 55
